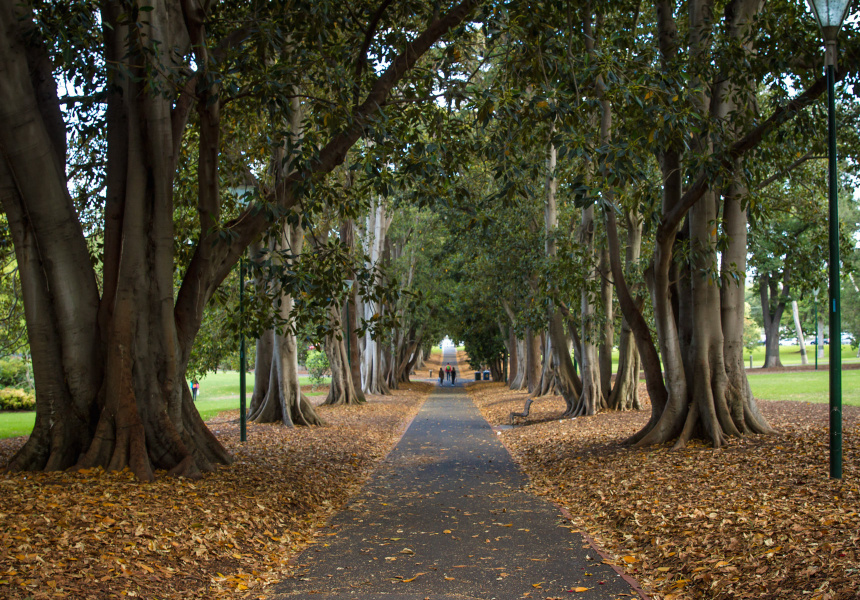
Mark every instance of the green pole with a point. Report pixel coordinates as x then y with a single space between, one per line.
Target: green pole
835 307
243 417
816 330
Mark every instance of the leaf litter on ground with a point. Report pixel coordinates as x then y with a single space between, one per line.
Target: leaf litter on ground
759 518
98 535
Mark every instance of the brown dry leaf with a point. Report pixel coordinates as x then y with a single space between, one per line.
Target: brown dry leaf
581 589
227 535
413 578
758 518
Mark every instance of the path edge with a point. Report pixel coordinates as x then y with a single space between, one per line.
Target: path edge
607 559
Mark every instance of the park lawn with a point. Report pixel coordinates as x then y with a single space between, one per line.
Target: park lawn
13 424
219 392
803 386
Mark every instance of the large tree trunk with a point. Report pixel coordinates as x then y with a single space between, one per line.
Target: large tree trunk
374 378
283 401
710 410
739 397
625 391
772 306
533 367
341 390
347 237
517 351
262 371
566 381
547 386
123 359
591 400
607 340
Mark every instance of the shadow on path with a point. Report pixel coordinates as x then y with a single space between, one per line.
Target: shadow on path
445 516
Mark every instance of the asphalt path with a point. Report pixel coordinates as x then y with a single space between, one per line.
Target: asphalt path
446 516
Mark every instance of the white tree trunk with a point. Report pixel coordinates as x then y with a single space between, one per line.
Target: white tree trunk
796 314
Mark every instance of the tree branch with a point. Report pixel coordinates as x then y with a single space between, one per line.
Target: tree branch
361 59
673 219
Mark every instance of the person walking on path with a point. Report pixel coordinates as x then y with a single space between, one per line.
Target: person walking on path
441 374
453 375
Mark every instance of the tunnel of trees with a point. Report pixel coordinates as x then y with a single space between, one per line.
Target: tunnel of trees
547 181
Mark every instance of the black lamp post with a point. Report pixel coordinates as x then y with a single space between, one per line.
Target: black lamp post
829 14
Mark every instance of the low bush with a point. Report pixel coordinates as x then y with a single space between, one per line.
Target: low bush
15 399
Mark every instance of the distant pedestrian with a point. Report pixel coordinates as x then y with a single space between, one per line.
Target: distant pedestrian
195 387
448 371
441 375
453 375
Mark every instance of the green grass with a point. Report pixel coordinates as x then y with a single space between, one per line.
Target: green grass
218 392
805 386
13 424
790 355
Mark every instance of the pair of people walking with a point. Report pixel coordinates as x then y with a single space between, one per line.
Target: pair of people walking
449 373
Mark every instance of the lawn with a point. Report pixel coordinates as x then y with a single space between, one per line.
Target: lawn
218 392
804 386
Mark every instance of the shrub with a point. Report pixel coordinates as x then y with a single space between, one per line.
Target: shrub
15 399
317 365
14 372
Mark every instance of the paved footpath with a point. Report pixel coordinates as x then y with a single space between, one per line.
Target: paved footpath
445 517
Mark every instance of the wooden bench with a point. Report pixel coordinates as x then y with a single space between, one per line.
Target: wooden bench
525 412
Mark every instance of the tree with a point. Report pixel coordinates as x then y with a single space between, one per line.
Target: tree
111 346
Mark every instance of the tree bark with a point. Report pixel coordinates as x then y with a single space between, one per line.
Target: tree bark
772 306
374 376
625 391
739 397
533 367
607 339
284 401
347 237
341 391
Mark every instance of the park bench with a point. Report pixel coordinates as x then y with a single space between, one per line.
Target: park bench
525 412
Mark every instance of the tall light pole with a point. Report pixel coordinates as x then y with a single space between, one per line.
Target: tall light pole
244 193
829 14
817 331
243 417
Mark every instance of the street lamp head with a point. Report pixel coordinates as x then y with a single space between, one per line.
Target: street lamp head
829 14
